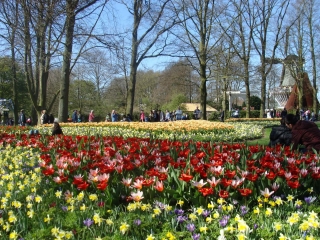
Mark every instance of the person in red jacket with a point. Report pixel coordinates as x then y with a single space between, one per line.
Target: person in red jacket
304 133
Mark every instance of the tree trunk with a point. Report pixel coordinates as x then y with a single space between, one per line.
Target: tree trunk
247 84
65 78
203 91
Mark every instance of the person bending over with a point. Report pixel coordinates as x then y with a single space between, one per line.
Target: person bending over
304 133
56 129
280 135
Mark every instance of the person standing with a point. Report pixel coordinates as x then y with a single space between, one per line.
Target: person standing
178 114
75 116
44 118
114 116
142 116
22 118
221 115
91 116
51 118
162 116
196 113
284 113
168 116
79 116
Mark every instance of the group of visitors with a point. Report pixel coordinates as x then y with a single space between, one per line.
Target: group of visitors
76 116
301 133
167 116
306 115
45 118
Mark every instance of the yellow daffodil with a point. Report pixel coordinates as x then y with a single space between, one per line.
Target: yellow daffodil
220 201
124 228
93 197
150 237
304 226
109 222
47 219
180 203
157 211
13 235
68 235
268 212
38 199
170 236
277 226
55 231
83 207
210 205
282 237
209 219
80 196
58 194
97 219
199 210
30 213
203 229
193 217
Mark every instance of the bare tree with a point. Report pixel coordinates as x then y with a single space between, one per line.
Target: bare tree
267 12
40 40
73 9
98 69
9 12
239 27
149 36
199 39
310 12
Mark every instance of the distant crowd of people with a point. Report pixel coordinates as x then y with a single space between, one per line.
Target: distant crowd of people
167 116
45 118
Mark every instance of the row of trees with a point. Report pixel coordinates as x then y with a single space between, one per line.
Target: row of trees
62 47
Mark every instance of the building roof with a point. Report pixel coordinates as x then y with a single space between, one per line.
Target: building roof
190 107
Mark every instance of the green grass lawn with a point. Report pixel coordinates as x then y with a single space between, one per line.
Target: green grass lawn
262 141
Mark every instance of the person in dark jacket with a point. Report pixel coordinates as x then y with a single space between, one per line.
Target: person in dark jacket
56 129
22 118
75 116
280 135
284 113
221 115
304 133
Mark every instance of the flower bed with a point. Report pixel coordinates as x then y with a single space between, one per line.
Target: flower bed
93 187
177 130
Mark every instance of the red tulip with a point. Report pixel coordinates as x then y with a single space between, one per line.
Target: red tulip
185 177
245 191
293 184
83 186
223 194
252 177
102 185
230 174
206 191
48 171
225 182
